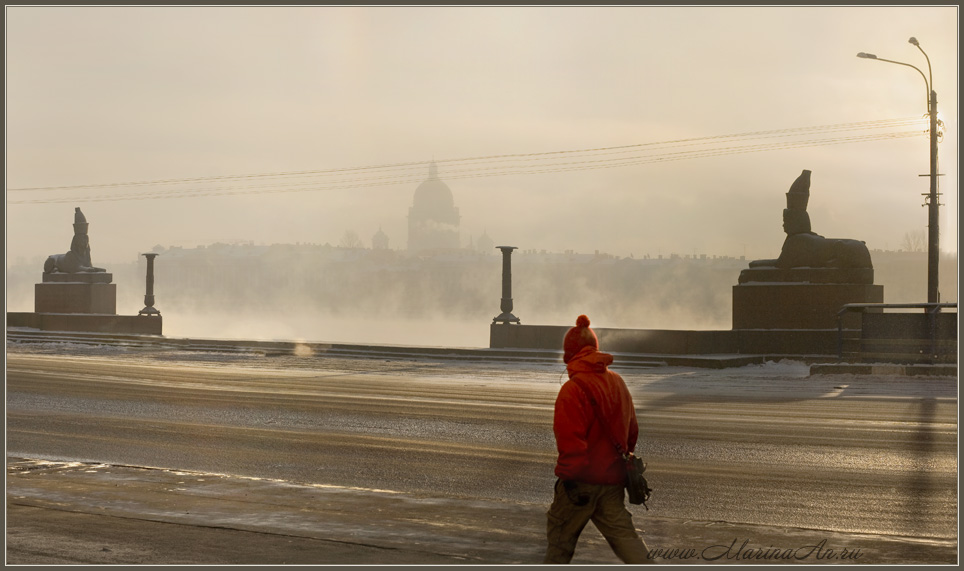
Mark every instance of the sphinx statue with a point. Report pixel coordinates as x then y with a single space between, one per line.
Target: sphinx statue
808 284
805 249
77 260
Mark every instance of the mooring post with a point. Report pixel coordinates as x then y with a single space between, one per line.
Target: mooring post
149 295
506 316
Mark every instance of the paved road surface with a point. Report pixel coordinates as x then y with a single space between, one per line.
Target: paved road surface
409 461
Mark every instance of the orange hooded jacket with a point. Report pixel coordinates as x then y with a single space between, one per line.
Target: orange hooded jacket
586 450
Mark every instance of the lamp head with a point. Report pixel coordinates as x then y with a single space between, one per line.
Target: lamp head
866 55
913 41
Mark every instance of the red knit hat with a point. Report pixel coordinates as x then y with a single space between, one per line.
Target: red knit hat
578 337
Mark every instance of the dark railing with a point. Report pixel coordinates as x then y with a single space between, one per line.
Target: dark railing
932 309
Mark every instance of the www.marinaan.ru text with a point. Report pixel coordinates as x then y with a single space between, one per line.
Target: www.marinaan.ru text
742 552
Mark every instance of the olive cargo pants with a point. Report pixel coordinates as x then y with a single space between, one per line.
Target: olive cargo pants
572 509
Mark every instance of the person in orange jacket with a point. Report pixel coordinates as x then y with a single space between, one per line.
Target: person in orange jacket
591 472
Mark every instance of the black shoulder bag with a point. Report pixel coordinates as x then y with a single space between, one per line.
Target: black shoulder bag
637 487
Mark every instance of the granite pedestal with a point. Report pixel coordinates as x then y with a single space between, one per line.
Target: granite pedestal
800 298
75 297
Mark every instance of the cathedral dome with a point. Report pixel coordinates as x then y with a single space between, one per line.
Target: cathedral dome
433 195
433 219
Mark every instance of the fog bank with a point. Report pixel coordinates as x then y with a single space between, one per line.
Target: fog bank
338 295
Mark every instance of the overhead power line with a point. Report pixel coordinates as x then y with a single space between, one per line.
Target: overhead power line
476 167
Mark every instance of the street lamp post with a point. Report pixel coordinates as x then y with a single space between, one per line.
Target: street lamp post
933 230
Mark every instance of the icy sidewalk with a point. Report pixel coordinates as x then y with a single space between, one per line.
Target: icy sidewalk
61 512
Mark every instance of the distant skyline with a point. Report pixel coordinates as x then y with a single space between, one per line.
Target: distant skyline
622 129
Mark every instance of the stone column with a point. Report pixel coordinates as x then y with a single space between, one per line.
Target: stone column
149 295
506 316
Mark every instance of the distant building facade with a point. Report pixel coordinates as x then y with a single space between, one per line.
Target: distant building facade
433 219
380 240
485 244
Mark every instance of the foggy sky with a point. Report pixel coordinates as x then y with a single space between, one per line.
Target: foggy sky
105 95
